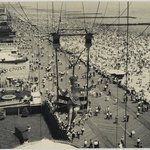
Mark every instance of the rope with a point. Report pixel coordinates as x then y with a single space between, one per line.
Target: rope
53 23
60 17
73 54
96 14
17 11
24 18
24 12
67 57
143 31
133 39
47 19
104 13
118 17
84 17
27 16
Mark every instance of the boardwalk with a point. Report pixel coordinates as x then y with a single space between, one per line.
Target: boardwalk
96 127
99 128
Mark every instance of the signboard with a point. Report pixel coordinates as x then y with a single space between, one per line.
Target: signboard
16 71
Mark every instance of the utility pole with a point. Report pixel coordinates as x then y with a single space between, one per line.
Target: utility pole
56 45
88 44
127 53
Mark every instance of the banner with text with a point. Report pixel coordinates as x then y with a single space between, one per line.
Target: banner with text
16 71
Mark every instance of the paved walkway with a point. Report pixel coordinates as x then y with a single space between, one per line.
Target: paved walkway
105 130
97 127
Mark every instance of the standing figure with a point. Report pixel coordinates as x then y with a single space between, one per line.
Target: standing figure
73 103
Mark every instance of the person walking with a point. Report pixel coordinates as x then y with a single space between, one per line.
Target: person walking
96 144
127 118
120 145
132 133
91 144
122 140
82 130
137 114
138 142
85 143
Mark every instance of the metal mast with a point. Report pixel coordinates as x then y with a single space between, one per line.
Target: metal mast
127 53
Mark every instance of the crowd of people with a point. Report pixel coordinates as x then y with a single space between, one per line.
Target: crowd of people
105 55
107 52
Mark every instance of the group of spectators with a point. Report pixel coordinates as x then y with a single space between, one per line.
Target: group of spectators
108 51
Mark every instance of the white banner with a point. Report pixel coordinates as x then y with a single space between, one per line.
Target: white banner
16 71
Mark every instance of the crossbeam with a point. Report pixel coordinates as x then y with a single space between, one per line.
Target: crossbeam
76 29
73 14
70 34
101 17
124 24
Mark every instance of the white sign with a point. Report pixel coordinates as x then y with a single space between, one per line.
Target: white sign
17 71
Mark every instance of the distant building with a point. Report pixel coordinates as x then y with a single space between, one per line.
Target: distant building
6 32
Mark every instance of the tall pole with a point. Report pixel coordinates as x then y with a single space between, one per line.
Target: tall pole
57 81
56 45
117 86
87 77
88 44
127 53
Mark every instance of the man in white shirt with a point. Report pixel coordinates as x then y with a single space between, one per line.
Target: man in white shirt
138 142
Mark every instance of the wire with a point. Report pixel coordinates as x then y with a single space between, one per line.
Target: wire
143 31
133 39
53 22
17 11
118 17
60 17
104 12
24 18
84 17
96 14
47 18
24 12
27 16
65 10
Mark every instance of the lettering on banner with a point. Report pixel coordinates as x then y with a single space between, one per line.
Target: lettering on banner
14 69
